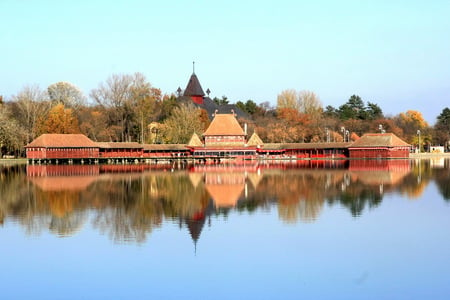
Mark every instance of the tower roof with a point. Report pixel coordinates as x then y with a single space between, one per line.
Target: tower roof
193 87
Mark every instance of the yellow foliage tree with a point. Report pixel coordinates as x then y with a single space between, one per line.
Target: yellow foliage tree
60 120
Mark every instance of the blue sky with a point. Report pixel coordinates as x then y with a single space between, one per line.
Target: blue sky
392 53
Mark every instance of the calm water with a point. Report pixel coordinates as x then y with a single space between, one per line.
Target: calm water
335 230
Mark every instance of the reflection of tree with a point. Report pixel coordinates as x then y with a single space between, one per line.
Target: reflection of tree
416 181
442 177
128 206
68 224
357 201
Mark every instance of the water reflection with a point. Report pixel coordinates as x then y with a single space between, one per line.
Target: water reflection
126 202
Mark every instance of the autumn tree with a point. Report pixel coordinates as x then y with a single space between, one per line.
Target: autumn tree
412 122
67 94
30 107
60 120
182 123
94 124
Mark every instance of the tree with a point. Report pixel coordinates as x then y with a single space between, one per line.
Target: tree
442 128
94 124
352 109
12 135
60 120
310 104
331 112
288 99
222 101
182 123
410 122
373 111
30 107
250 107
67 94
128 100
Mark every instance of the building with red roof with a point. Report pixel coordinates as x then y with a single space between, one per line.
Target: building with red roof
379 145
62 146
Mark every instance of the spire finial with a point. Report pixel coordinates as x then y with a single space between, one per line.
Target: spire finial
193 67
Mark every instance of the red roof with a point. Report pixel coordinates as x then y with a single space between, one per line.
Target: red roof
50 140
224 124
119 145
379 140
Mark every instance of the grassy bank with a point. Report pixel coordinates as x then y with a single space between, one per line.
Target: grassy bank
429 155
13 161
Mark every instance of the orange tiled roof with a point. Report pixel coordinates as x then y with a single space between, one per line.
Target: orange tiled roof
224 124
379 140
49 140
119 145
168 147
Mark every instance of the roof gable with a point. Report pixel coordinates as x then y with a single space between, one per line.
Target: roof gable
193 87
224 124
255 140
49 140
195 141
379 140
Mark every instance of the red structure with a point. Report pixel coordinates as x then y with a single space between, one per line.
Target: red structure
379 145
305 150
194 90
62 146
120 150
162 151
224 138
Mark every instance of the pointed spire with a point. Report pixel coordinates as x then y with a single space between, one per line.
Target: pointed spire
193 67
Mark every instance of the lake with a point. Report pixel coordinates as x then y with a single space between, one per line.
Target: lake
363 229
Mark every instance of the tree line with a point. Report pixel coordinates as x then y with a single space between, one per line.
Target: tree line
127 107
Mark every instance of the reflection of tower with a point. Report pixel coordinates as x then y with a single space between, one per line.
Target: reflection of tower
196 222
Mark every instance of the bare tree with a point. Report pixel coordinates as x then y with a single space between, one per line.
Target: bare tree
67 94
127 99
30 107
288 99
310 103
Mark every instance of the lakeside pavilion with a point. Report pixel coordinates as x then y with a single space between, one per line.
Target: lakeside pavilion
224 139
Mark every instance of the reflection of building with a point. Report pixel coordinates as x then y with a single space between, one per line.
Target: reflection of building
225 188
377 172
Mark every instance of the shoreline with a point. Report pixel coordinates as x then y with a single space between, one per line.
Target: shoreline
429 155
424 155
